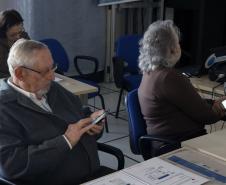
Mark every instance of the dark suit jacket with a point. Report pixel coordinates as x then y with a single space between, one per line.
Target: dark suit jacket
32 148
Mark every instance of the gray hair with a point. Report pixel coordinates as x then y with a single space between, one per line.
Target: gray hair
22 54
158 40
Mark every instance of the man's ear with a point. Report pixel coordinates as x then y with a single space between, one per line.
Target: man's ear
19 73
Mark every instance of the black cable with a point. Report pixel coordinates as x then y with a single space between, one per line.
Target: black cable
221 83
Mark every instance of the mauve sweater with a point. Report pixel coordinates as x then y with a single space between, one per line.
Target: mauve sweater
170 104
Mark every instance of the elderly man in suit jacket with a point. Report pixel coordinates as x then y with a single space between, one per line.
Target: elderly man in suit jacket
45 137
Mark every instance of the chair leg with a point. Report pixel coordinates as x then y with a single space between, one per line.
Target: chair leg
103 106
94 103
119 101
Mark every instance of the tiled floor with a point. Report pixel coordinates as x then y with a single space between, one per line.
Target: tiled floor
118 128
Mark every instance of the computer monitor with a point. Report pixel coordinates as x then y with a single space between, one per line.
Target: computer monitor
202 26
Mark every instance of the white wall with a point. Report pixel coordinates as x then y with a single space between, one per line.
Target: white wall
79 24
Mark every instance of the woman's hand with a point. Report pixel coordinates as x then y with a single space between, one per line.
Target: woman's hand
218 107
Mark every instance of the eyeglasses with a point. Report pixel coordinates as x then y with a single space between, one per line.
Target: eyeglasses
54 67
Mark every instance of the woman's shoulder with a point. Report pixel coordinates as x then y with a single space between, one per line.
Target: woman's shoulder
164 74
174 76
167 73
173 73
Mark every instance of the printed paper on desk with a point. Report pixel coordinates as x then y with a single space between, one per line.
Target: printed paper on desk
57 79
118 178
159 172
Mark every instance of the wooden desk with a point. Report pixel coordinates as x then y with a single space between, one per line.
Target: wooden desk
76 87
213 144
204 85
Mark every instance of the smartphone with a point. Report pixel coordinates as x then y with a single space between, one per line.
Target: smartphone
224 104
99 118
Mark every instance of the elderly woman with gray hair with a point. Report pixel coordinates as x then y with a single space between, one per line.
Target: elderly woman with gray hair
170 105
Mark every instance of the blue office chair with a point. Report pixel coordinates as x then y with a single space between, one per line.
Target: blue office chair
127 48
125 65
89 77
60 57
58 53
140 142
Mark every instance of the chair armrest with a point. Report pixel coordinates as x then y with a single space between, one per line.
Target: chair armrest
113 151
160 139
89 58
148 150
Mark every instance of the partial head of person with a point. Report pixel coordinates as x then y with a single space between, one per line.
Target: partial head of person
31 66
11 26
160 46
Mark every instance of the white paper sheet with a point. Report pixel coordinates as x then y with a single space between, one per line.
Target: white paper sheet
118 178
159 172
152 172
57 79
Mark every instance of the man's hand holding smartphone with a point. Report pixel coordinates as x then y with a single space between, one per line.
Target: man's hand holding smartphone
76 130
98 119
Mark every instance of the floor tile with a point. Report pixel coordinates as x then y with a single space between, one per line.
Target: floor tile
117 128
123 144
109 86
107 90
111 162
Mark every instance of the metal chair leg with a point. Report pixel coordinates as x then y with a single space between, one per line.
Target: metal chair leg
119 102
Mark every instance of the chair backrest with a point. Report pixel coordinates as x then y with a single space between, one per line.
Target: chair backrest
58 53
137 126
127 48
81 62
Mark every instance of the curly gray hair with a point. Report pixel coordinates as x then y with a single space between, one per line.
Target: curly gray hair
156 45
